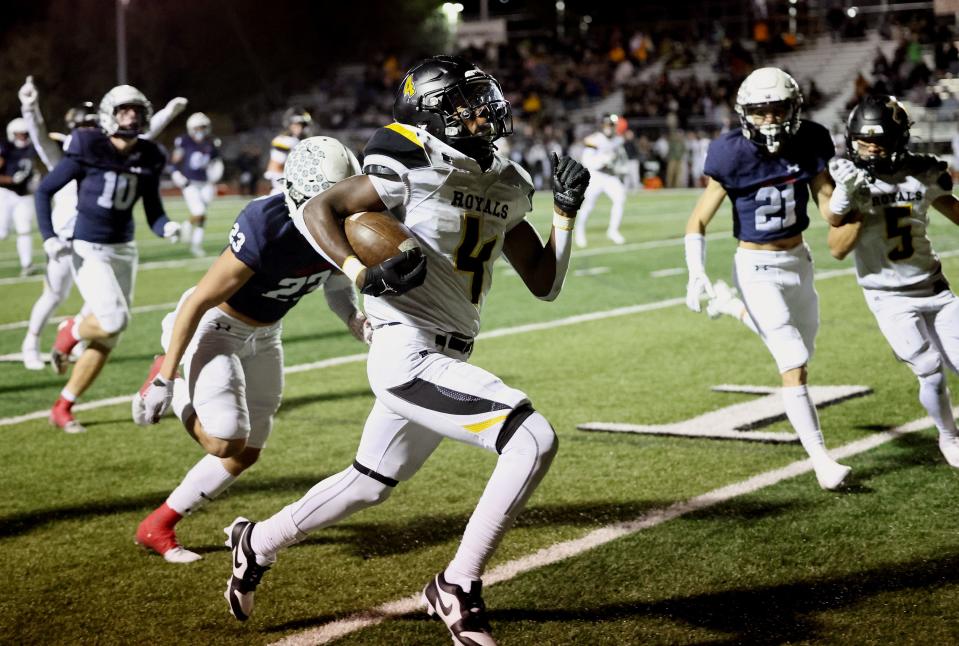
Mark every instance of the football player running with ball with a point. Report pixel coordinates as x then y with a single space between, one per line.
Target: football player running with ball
768 169
888 194
436 169
113 167
226 334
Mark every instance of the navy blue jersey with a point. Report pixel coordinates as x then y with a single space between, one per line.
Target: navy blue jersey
769 192
16 163
286 267
195 156
109 184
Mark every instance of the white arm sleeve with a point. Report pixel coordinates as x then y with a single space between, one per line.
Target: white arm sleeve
563 235
341 296
163 117
49 151
214 172
695 253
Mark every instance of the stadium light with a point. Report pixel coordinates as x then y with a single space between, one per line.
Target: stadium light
852 12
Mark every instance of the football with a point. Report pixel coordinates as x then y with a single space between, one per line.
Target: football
377 236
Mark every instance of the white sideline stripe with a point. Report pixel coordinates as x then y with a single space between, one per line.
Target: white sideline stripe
355 358
492 334
596 538
57 319
591 271
147 266
661 273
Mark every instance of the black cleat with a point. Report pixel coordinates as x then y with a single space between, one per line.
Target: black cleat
464 613
246 571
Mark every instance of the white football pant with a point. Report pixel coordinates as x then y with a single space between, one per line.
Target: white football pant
198 195
58 279
779 293
234 374
612 186
105 275
18 210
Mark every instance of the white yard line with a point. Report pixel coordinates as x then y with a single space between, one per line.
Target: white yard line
333 630
16 325
206 261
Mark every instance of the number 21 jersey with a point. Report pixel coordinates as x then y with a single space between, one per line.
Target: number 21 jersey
769 192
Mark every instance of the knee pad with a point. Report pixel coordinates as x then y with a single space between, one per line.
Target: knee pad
787 347
926 365
527 431
115 322
935 381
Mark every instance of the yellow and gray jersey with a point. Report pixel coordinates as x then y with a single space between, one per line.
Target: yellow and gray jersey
602 153
281 146
894 251
460 215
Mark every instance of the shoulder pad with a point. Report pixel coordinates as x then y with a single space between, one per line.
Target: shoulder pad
281 142
84 141
916 165
396 147
518 176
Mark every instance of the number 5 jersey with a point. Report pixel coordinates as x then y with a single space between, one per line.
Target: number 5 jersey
893 251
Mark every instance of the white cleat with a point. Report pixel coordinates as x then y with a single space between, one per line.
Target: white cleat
180 555
950 450
464 613
616 237
247 569
831 475
31 357
725 302
197 251
579 238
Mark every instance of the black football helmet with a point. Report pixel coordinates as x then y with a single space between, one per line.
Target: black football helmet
440 92
878 119
83 115
298 115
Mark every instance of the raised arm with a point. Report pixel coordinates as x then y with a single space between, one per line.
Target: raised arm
49 151
164 116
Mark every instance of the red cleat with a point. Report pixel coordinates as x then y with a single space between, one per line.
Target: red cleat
154 371
63 346
156 534
62 417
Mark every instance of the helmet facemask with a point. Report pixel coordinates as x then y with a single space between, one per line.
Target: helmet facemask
877 134
82 116
119 98
769 124
475 114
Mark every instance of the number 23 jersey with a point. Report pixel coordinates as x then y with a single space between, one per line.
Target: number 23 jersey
460 215
893 251
769 192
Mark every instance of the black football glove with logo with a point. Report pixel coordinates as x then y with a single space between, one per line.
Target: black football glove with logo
396 275
570 180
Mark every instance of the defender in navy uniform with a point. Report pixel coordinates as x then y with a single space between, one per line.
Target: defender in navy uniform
113 169
226 334
16 204
769 169
197 168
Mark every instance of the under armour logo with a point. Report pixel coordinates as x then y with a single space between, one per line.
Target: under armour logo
792 168
761 267
222 326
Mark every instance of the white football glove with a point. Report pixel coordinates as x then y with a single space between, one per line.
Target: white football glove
361 328
179 179
28 93
20 176
157 399
698 287
171 231
55 248
846 174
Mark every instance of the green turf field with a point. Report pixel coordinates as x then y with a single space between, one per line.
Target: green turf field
787 563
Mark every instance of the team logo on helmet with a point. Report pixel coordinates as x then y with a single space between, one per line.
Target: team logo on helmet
408 89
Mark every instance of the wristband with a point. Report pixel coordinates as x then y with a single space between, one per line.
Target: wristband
562 222
352 267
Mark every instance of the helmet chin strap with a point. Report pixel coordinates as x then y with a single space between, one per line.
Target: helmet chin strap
477 148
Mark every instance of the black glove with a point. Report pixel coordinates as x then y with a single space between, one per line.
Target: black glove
396 275
570 180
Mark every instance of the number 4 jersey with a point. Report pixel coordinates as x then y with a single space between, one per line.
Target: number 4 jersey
460 215
769 192
893 251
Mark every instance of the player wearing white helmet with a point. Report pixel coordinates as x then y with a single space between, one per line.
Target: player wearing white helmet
50 147
887 192
226 331
770 168
16 202
297 124
437 169
113 167
605 157
198 167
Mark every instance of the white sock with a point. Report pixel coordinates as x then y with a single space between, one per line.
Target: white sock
802 415
31 342
25 249
69 396
934 397
205 481
329 501
75 330
522 464
196 237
